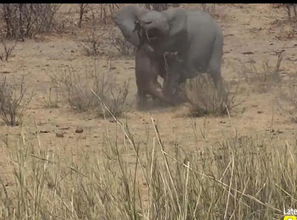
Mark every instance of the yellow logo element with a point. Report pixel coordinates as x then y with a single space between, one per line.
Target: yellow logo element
290 218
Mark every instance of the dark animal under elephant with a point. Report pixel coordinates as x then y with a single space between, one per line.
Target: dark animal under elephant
192 34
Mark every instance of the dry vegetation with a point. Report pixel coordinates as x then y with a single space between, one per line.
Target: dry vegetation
262 77
287 100
26 20
14 100
139 168
77 89
234 179
6 50
206 99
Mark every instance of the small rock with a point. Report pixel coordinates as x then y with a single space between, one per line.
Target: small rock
259 112
59 134
64 128
247 52
79 130
44 132
5 72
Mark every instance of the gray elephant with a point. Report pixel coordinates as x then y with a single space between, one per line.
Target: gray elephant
148 65
192 34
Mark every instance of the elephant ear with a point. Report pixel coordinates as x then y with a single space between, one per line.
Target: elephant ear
126 20
177 20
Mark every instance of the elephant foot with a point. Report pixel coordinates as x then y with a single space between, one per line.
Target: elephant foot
177 97
141 101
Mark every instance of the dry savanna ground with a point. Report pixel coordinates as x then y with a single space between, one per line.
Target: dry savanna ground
65 156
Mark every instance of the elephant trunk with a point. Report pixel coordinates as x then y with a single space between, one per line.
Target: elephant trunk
143 37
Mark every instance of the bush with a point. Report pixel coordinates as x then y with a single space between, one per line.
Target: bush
157 7
206 99
77 87
117 41
262 78
7 50
92 44
291 8
13 102
287 100
27 20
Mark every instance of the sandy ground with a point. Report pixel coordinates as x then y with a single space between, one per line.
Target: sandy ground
252 34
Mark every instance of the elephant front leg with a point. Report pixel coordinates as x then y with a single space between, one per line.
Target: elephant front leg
141 99
171 88
173 78
156 92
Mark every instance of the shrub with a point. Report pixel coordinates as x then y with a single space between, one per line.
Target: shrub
27 20
205 98
77 87
13 101
7 50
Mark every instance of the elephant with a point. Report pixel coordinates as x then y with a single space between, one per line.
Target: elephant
193 34
148 65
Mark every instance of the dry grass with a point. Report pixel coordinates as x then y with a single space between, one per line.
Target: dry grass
241 177
206 99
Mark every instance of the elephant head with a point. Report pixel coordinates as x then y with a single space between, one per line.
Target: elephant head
159 30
